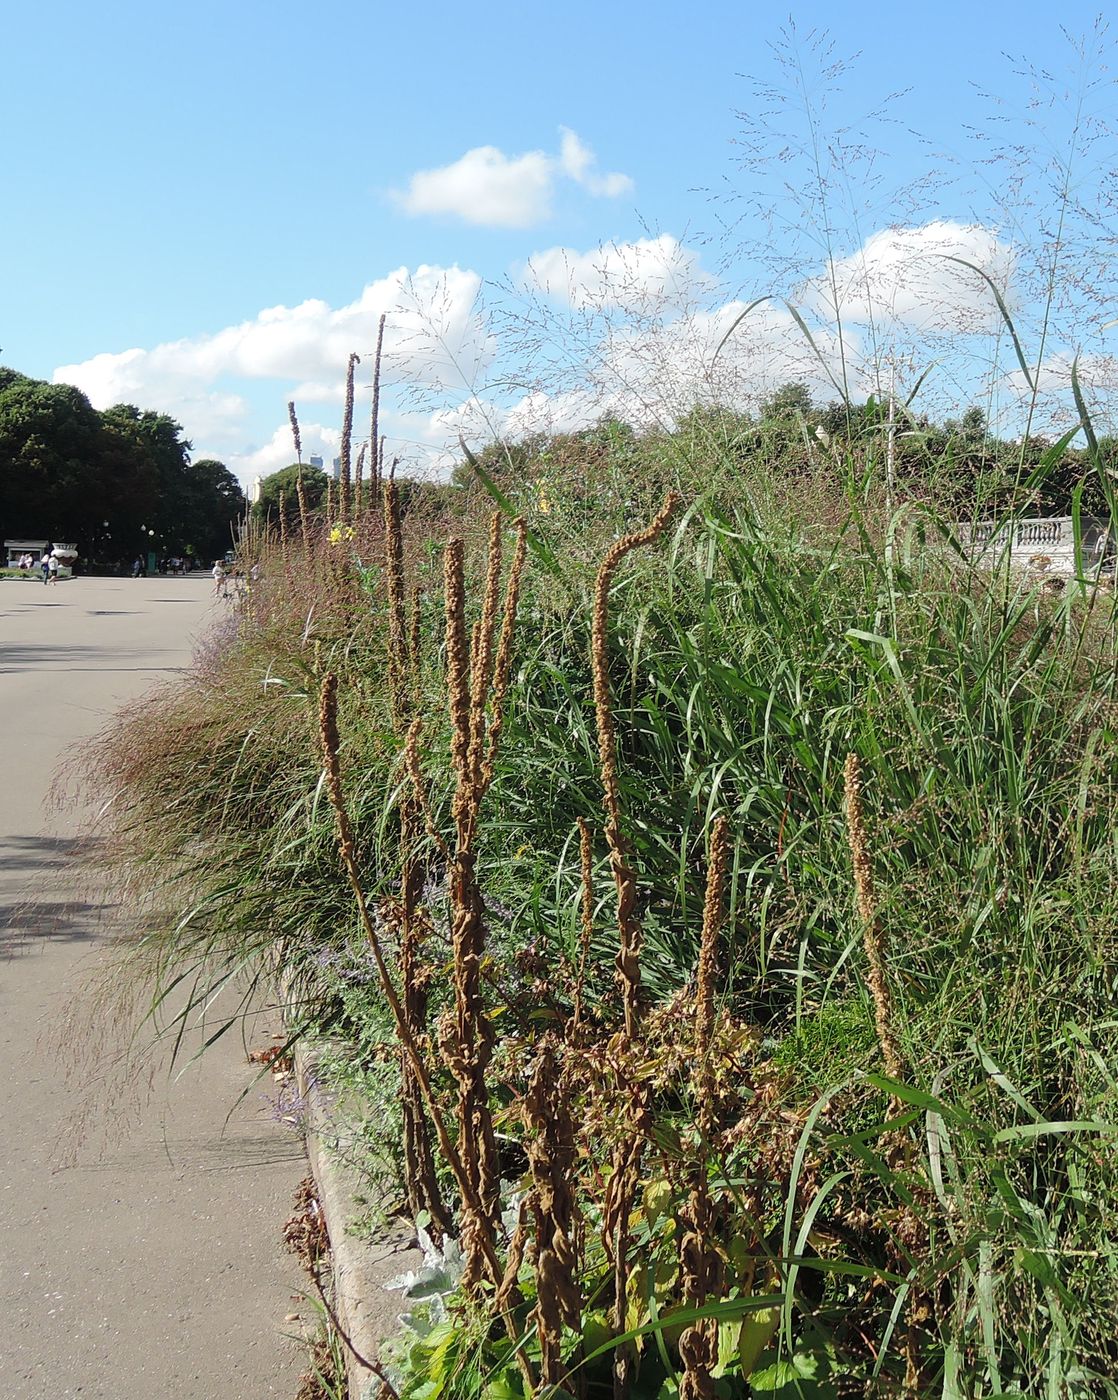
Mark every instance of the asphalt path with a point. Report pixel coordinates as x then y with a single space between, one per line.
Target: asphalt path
143 1259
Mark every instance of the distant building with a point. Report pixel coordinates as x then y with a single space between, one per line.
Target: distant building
257 489
337 468
315 461
1042 545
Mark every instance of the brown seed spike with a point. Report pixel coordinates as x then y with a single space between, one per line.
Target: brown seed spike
482 655
708 951
628 925
873 937
586 930
458 673
293 418
503 665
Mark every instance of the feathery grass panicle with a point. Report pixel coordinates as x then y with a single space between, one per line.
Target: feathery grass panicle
628 924
873 936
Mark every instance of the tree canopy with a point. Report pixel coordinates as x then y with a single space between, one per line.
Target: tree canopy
113 483
282 487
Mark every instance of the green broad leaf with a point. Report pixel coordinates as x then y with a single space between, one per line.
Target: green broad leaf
804 1375
755 1335
507 1386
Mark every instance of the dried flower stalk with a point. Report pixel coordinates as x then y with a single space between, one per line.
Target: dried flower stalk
347 436
357 480
586 920
699 1262
293 418
708 949
481 656
551 1160
873 937
304 523
398 654
503 666
328 729
469 1048
376 444
628 925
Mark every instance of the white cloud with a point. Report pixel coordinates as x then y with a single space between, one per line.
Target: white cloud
578 161
434 336
645 274
279 451
908 275
308 343
489 188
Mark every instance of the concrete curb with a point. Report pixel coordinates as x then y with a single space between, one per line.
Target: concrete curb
365 1308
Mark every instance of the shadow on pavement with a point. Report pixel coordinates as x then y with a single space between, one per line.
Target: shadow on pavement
28 922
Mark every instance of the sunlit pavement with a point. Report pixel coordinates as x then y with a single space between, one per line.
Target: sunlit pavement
152 1265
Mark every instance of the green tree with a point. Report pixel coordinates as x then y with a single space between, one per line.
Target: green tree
159 452
791 401
282 486
215 506
52 480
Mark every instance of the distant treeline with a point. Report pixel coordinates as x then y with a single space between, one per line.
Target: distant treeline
115 483
959 464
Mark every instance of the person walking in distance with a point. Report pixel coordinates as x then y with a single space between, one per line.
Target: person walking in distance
52 569
44 564
221 583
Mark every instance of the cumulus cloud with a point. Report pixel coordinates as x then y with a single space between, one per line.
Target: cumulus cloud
577 160
910 276
486 187
279 451
307 344
434 336
643 274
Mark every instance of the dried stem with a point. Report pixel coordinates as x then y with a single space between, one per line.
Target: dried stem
347 437
551 1160
357 480
502 668
399 666
708 950
873 937
481 656
628 925
295 431
328 728
376 445
586 922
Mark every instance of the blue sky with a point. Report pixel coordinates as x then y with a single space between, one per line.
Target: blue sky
210 205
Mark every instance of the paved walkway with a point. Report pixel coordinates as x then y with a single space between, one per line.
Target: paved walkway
153 1267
